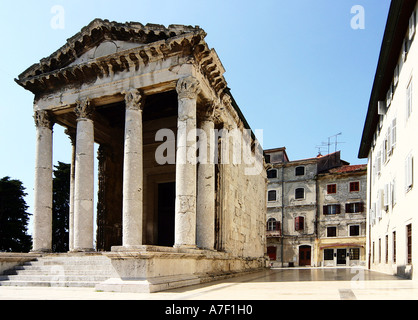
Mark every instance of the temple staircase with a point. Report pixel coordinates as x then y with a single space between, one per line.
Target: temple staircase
61 270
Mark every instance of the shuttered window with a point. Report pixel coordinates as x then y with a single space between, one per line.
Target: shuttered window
356 207
409 172
332 209
331 188
299 223
409 242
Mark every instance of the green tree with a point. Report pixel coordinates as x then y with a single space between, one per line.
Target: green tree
61 207
13 217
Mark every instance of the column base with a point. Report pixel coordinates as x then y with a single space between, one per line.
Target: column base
82 250
185 246
41 251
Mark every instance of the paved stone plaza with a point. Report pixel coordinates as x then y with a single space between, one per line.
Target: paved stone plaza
274 284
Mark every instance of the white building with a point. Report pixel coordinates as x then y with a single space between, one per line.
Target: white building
390 145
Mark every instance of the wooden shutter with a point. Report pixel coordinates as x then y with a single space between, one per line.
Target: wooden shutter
338 208
325 210
348 207
299 223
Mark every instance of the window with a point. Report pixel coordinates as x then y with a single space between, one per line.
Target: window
354 230
273 225
300 193
331 188
409 172
354 254
355 186
332 209
394 246
272 195
328 254
331 232
267 157
300 171
380 250
299 223
387 249
409 100
409 242
373 252
271 174
356 207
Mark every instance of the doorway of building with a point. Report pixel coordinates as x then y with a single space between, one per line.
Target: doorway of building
166 204
304 255
271 252
341 256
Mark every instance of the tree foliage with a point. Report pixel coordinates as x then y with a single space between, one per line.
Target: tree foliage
13 217
61 207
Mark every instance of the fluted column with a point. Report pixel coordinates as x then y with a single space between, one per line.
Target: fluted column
84 178
205 224
132 212
185 204
42 217
72 135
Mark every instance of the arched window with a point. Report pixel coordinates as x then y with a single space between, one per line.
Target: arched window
300 193
273 225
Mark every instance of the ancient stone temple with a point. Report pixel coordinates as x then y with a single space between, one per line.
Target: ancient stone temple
182 183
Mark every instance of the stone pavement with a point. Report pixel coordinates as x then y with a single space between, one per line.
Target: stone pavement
274 284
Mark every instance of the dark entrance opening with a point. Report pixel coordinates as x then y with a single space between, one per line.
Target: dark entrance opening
341 256
304 256
166 203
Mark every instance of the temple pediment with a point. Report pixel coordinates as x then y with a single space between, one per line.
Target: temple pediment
103 48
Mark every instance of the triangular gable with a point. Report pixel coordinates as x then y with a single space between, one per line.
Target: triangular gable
103 31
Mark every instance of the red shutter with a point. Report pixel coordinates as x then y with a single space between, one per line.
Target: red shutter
299 223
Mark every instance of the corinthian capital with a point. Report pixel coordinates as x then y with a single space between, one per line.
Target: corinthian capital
134 99
43 119
84 109
188 87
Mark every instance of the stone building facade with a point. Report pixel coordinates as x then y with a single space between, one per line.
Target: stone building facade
389 144
341 238
296 225
172 188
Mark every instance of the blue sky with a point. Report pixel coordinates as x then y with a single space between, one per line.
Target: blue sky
297 69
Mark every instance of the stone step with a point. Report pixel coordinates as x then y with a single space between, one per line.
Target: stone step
17 283
68 271
60 271
58 277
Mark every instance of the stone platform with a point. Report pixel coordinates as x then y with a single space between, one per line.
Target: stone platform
143 269
154 268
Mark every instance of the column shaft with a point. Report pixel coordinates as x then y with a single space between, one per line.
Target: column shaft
185 204
132 212
42 219
84 179
205 224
